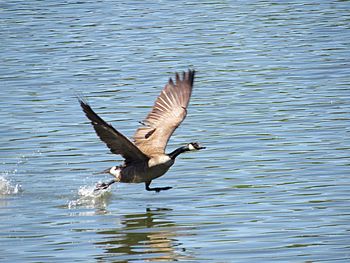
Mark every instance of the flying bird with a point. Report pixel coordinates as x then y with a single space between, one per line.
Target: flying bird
144 157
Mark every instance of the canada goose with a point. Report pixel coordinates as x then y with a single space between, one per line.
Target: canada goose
145 158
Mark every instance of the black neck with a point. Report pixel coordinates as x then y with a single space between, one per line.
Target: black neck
178 151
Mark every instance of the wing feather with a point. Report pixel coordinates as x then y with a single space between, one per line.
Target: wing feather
115 141
169 110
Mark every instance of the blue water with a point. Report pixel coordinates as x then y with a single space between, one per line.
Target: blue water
270 102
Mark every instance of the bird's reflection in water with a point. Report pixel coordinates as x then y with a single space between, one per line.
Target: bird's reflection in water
147 236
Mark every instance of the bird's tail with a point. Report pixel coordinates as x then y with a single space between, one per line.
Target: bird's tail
114 171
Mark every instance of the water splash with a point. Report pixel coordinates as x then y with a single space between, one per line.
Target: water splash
7 188
90 198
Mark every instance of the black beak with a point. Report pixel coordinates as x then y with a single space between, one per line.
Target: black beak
197 146
200 147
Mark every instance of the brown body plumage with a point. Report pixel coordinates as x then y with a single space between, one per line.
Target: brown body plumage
145 158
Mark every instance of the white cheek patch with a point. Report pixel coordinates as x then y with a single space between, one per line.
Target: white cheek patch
190 147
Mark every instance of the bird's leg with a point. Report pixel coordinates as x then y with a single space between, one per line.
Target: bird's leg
104 185
157 189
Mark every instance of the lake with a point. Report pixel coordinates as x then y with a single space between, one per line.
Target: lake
270 103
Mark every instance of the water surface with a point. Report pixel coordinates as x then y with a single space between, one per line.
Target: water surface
271 103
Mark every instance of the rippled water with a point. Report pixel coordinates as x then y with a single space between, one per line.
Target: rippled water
271 103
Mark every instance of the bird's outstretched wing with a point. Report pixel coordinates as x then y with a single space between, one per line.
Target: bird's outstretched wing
116 142
168 112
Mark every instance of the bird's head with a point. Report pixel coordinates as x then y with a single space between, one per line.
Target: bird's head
194 146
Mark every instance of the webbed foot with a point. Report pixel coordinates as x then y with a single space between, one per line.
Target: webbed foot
103 186
156 189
